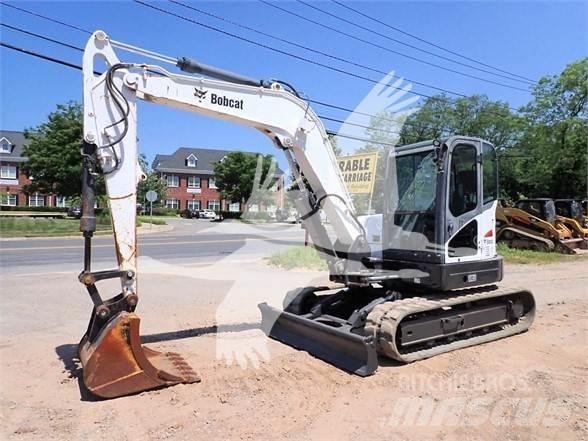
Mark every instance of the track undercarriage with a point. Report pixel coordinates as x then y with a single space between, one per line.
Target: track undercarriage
351 327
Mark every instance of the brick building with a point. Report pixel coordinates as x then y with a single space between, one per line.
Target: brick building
13 179
190 179
188 171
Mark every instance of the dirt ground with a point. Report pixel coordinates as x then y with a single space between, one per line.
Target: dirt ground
527 387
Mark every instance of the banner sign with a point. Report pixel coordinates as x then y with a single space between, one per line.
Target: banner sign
359 172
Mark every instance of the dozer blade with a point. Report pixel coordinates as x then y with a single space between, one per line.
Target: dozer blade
115 364
346 350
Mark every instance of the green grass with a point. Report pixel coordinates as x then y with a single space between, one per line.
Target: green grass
309 258
512 255
147 219
298 257
29 227
42 227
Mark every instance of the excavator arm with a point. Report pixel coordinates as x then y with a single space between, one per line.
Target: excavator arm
114 362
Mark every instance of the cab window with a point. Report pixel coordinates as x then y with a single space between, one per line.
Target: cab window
489 174
463 185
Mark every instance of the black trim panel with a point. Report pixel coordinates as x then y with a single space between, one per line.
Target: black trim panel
448 276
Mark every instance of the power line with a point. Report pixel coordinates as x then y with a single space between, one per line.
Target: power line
329 132
42 56
23 31
352 23
357 138
388 144
78 67
328 118
333 106
428 42
77 48
387 49
251 42
273 49
316 51
47 18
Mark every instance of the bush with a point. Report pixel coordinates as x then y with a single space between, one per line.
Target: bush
257 216
46 209
103 217
147 219
162 211
230 214
298 257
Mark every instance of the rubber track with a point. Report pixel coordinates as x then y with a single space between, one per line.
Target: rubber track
384 319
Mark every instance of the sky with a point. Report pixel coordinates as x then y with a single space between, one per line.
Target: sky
529 38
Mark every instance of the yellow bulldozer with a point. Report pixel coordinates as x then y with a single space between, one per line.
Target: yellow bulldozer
571 214
533 224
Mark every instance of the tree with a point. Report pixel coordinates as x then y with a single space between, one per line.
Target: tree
153 182
554 161
236 178
53 152
333 139
475 115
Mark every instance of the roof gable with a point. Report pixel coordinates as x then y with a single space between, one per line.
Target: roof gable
5 145
177 161
18 142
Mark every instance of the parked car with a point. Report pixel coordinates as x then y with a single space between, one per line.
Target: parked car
207 214
190 214
75 212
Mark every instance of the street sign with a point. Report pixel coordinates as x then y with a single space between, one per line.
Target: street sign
359 172
151 196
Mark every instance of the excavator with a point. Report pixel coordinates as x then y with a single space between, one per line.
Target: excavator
533 224
429 288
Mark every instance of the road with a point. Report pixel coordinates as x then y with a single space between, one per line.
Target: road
191 241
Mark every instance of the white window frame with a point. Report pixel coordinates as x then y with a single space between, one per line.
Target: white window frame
61 201
9 200
234 207
194 182
172 203
36 200
193 204
191 161
212 182
214 205
5 146
172 180
8 172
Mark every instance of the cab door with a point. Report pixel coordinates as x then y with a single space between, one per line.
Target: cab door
464 204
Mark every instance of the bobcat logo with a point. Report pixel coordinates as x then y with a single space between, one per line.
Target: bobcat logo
200 93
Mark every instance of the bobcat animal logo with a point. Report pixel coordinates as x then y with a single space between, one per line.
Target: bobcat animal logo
200 93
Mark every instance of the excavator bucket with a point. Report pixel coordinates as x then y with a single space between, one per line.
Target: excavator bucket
115 364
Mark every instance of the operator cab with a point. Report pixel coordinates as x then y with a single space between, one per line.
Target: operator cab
543 208
569 208
439 216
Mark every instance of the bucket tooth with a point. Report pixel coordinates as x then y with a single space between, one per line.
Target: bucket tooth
115 364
